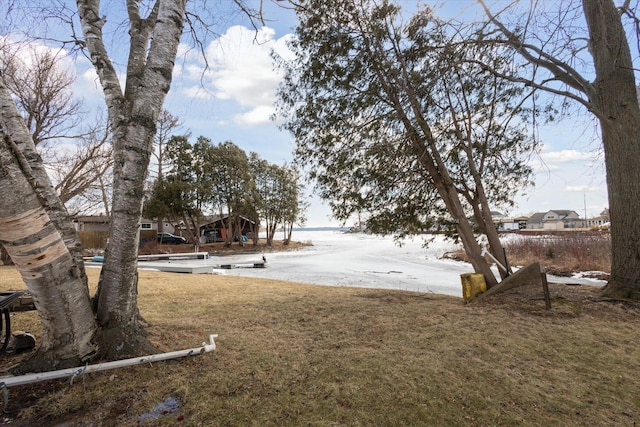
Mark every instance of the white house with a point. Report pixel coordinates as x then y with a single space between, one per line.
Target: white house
599 221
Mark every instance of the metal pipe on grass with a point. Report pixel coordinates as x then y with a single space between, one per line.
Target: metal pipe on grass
74 372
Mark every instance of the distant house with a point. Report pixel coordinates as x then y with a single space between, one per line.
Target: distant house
554 220
510 224
92 223
561 219
217 228
101 223
536 221
601 220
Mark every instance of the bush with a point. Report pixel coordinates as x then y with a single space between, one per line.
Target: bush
563 252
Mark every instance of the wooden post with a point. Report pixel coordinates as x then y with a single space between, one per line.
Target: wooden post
506 262
545 289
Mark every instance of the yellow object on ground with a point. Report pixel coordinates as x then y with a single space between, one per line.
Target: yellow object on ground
473 284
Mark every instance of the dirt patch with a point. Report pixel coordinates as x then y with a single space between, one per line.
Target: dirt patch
566 300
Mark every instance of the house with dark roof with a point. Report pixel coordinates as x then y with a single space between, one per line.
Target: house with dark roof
216 228
536 221
557 219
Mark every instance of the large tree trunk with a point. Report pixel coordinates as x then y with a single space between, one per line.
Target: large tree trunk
467 236
39 237
482 214
255 232
436 171
617 102
133 115
420 134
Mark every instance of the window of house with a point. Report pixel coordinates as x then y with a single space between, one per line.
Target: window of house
145 226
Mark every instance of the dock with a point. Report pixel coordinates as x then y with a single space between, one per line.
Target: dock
162 257
192 262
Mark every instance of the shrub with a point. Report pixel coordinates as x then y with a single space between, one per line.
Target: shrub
562 252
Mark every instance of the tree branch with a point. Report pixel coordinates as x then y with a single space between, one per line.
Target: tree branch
92 28
561 71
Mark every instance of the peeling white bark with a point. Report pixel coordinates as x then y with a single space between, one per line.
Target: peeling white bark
133 115
36 233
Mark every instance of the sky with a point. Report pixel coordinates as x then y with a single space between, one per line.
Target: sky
233 100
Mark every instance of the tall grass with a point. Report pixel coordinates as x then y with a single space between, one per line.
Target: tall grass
562 253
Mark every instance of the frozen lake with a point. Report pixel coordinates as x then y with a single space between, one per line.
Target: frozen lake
363 260
368 261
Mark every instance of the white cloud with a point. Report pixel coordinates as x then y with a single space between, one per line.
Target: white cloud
240 69
553 161
582 188
197 92
564 156
88 84
256 116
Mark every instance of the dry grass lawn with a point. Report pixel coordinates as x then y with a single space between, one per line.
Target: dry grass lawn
293 354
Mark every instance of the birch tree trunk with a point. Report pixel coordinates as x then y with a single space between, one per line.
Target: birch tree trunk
133 115
36 232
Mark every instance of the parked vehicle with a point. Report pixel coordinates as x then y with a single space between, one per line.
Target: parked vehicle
171 239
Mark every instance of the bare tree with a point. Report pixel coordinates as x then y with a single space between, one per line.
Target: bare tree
43 93
168 124
133 114
42 90
558 60
79 172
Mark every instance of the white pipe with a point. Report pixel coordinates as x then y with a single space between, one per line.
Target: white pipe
74 372
486 252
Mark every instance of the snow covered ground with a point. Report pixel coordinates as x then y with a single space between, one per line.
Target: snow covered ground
369 261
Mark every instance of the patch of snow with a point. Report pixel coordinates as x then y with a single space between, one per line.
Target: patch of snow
591 276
